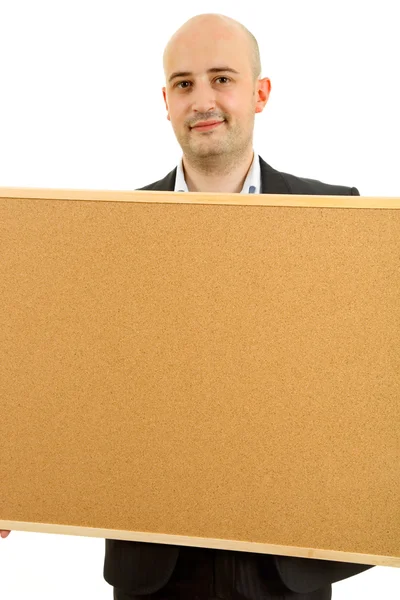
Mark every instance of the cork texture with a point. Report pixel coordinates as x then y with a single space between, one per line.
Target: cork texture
207 370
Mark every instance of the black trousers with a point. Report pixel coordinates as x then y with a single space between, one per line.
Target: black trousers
323 594
192 580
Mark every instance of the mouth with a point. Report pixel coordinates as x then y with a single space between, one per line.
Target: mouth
208 127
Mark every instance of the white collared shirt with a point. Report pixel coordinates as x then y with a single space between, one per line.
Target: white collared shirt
252 183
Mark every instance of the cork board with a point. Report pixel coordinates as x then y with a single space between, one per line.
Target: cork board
202 369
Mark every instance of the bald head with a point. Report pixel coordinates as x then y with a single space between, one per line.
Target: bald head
215 25
212 73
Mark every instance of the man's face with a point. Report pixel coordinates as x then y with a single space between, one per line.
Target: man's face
223 95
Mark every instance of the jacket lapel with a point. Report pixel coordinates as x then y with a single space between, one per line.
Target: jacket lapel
165 185
272 181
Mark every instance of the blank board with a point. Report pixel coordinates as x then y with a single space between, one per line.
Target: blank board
214 370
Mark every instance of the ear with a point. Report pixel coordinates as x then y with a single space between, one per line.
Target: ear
263 90
164 91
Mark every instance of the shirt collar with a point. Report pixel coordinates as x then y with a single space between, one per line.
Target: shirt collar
252 183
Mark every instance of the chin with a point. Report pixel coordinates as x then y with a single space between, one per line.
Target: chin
209 152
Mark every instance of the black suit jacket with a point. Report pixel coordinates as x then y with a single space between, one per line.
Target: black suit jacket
144 568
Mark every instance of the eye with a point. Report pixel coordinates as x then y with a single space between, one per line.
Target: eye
178 85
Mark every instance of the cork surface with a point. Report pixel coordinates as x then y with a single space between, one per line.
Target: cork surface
203 370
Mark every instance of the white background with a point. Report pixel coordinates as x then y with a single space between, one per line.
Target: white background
81 107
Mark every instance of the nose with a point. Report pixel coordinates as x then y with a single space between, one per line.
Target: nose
203 98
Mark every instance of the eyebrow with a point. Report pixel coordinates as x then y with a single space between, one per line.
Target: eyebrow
213 70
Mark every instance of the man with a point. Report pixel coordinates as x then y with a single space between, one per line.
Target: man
212 68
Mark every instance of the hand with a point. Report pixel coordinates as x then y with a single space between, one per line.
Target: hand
4 533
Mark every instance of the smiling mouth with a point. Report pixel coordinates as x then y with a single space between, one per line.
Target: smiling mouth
207 127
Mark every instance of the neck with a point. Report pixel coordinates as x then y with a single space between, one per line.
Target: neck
213 175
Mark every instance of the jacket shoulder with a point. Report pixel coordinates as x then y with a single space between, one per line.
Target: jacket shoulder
306 186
